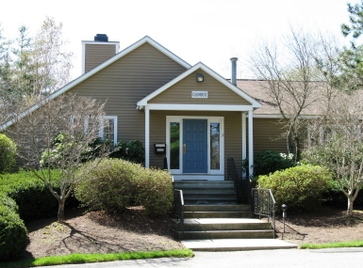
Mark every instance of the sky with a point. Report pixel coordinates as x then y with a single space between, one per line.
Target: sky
208 31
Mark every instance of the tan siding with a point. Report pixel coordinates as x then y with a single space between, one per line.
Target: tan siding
268 135
232 133
180 93
95 54
125 82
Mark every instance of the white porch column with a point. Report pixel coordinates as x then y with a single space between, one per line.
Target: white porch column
147 137
250 141
244 138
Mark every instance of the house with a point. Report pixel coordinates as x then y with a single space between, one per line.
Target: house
187 116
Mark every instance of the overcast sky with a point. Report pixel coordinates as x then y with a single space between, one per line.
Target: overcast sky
210 31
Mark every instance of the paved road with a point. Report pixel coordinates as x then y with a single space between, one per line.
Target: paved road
279 258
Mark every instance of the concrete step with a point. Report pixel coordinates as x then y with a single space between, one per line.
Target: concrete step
218 207
225 224
194 191
207 192
203 184
236 244
218 228
217 211
214 200
217 214
225 234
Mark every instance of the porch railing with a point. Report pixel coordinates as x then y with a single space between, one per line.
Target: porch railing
264 204
239 183
178 207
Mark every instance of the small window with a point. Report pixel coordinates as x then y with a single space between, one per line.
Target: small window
109 132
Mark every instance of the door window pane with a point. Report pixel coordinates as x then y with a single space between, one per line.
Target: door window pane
215 145
174 145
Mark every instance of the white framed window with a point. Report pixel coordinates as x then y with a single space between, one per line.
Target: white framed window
109 132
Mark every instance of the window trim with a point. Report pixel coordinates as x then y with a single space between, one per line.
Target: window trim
114 118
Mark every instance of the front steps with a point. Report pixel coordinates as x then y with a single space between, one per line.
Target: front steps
207 192
212 213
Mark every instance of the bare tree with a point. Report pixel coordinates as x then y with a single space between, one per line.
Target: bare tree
294 79
340 147
51 62
59 135
32 68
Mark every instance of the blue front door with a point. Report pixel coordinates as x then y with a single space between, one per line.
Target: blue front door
195 146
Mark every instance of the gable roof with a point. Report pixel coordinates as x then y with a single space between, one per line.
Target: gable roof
100 67
142 103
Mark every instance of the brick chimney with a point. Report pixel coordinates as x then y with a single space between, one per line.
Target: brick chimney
97 51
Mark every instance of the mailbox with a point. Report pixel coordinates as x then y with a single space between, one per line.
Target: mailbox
160 148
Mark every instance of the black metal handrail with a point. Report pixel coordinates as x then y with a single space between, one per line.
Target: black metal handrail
178 207
264 204
232 175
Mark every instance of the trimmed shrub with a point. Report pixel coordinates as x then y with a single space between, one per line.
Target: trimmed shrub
266 162
13 233
7 154
155 191
109 186
299 187
116 184
30 194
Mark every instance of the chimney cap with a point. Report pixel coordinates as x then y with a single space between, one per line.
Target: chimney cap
101 38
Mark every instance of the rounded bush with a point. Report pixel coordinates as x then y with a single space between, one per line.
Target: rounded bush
108 186
7 154
13 233
300 187
115 184
155 191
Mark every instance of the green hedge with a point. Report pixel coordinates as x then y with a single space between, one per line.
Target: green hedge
13 233
7 154
34 200
300 187
116 184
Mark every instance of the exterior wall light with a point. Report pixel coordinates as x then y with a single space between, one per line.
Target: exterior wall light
200 78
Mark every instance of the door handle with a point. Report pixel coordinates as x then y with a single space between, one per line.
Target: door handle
184 148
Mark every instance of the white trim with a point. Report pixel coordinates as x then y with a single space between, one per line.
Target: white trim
114 118
244 135
235 89
147 138
210 119
198 107
250 142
